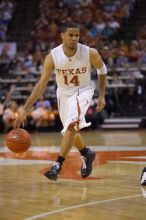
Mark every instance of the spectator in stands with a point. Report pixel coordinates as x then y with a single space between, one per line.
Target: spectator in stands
38 59
142 33
102 17
19 69
101 20
134 52
29 88
8 96
9 115
1 116
2 33
43 103
6 11
42 115
142 58
139 95
122 61
124 47
4 56
116 81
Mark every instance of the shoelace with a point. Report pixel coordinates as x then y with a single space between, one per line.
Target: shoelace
83 162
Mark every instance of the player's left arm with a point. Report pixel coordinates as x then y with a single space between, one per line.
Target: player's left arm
97 62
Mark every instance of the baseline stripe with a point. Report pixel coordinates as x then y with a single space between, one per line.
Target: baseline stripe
97 148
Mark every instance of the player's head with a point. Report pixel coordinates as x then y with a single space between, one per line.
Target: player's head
70 34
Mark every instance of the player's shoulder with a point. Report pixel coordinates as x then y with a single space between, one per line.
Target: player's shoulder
83 46
93 52
56 49
49 60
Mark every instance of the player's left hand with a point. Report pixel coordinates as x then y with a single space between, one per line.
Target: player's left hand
100 103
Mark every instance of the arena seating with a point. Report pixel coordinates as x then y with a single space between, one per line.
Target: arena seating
125 59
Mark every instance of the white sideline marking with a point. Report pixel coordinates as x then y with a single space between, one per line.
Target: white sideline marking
55 149
135 157
97 148
78 206
127 162
11 161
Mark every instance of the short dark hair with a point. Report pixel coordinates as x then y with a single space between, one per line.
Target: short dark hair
65 26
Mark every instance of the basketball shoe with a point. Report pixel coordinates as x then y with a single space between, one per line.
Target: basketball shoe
143 177
53 173
87 161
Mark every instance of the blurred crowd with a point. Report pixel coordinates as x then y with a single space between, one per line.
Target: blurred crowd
41 118
98 20
6 13
126 61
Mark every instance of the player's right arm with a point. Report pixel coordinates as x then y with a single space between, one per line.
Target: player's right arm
97 62
37 91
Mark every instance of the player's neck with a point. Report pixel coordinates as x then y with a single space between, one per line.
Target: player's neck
69 52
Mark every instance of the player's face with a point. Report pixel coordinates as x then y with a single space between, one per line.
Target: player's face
70 38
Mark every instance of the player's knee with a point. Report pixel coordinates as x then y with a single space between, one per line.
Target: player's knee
71 126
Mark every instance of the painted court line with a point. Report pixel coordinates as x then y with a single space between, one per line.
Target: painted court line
128 162
39 216
54 149
14 162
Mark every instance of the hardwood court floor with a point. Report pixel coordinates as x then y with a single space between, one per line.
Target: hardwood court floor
112 192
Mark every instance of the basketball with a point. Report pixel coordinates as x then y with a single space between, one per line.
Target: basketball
18 140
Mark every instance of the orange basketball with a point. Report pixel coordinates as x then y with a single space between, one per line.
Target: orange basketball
18 140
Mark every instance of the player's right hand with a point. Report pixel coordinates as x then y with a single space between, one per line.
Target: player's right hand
100 103
19 121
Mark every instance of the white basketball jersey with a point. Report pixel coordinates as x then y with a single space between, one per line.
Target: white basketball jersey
72 73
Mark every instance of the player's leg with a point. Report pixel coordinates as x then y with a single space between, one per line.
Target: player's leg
79 142
66 145
87 155
67 141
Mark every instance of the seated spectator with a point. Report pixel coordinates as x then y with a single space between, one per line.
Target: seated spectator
6 12
2 33
9 115
124 47
4 56
122 61
42 115
142 58
1 117
43 103
116 80
134 52
38 59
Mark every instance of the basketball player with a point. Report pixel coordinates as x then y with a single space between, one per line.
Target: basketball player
72 62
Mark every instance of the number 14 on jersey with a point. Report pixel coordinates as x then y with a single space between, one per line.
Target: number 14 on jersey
74 80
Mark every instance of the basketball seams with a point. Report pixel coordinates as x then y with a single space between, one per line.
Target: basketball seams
21 135
15 141
23 132
18 140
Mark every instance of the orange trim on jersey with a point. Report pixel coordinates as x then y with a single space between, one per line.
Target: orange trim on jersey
79 113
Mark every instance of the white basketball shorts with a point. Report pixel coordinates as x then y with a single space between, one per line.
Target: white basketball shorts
72 108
